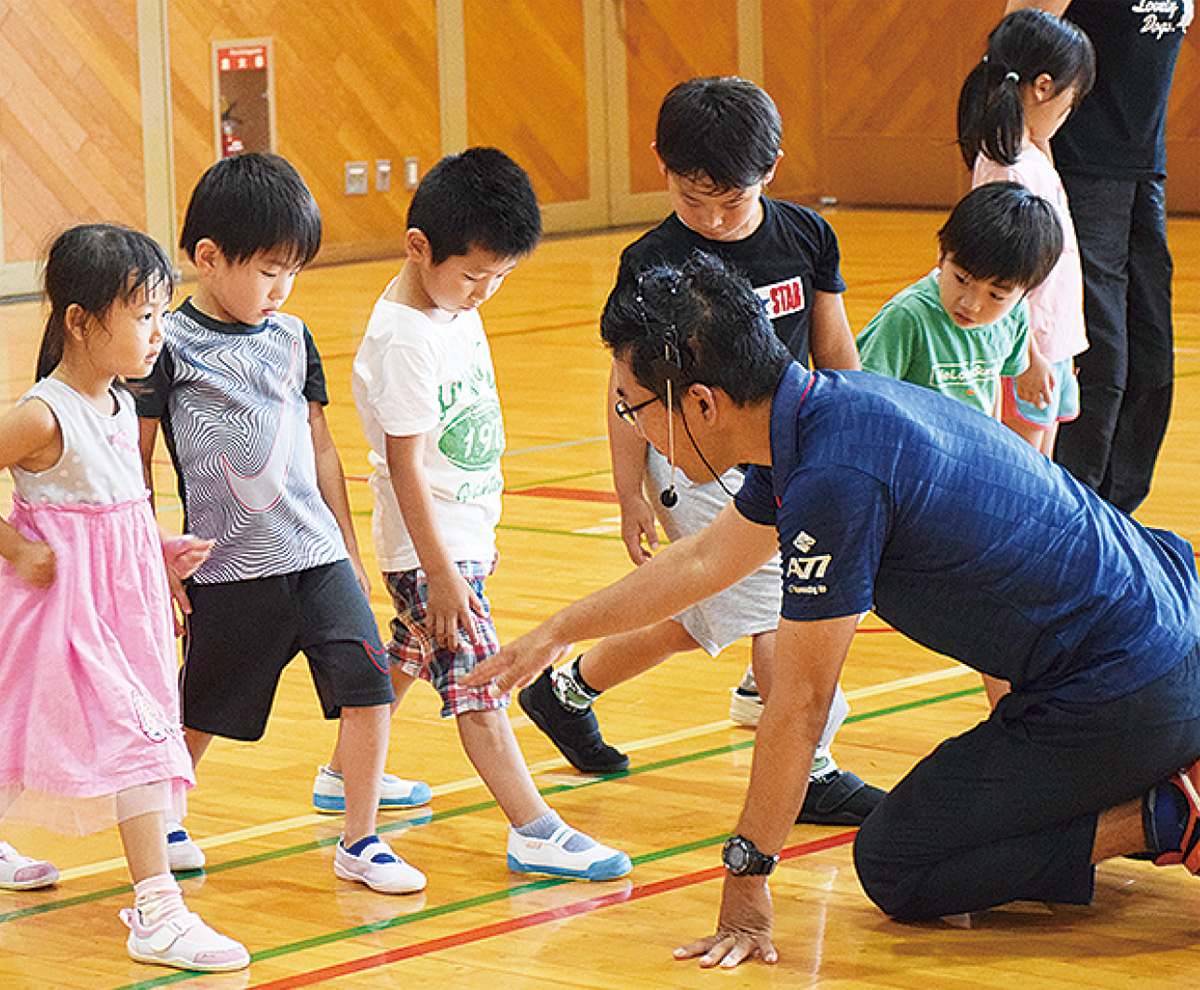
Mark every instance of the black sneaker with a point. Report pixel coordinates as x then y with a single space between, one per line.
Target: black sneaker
840 798
575 733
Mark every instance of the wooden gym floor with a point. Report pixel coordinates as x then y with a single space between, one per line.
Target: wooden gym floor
269 880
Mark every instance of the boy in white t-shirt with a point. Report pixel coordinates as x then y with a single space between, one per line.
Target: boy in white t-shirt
426 393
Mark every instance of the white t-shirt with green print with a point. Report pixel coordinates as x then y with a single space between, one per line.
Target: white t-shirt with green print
415 376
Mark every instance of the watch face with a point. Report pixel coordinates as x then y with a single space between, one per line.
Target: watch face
741 858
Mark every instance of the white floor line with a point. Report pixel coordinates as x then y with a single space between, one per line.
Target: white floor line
545 766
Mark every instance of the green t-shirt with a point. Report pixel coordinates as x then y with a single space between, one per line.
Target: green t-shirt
914 339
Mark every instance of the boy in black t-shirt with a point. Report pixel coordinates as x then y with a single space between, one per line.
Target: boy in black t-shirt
717 142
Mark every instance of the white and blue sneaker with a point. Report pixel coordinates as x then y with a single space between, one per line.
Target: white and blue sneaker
745 703
329 792
553 857
372 862
183 855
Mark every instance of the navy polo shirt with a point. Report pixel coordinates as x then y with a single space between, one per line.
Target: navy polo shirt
962 536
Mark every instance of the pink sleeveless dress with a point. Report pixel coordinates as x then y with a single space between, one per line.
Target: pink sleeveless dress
89 702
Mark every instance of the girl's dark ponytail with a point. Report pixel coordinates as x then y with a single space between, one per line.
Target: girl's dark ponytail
991 117
92 266
1024 46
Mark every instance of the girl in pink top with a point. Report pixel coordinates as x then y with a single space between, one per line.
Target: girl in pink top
89 707
1036 70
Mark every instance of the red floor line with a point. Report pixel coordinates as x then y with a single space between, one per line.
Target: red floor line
571 494
511 925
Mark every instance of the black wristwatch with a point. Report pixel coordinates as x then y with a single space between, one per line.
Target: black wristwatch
742 858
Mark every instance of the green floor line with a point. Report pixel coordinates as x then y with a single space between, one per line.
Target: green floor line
440 910
558 481
479 806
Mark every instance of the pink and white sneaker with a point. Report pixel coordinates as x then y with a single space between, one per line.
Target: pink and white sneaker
19 872
183 942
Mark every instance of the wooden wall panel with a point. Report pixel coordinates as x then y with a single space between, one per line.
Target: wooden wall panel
355 80
528 97
1183 129
867 92
793 61
70 119
668 42
892 72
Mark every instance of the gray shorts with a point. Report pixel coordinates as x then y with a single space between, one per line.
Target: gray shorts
749 607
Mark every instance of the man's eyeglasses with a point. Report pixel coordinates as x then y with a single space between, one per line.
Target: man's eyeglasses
628 412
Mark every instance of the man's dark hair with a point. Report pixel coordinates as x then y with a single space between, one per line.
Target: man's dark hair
1002 231
721 129
253 203
697 323
480 198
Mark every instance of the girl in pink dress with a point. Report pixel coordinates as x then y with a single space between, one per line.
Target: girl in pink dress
88 700
1037 68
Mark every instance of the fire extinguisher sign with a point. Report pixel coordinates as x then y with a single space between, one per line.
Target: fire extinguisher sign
242 58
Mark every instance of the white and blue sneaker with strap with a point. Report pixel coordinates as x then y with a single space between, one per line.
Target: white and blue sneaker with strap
183 854
371 861
549 846
329 792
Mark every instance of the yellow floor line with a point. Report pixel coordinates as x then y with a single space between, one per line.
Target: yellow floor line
545 766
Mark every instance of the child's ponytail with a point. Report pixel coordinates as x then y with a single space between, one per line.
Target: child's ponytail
991 117
51 351
92 266
1024 46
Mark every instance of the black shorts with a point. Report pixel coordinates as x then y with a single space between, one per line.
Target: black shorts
241 634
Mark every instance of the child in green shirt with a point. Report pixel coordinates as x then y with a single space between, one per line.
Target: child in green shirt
964 324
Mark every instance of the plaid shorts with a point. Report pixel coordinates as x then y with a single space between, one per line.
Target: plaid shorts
414 650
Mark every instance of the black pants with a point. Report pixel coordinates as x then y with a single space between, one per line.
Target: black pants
1126 374
1008 810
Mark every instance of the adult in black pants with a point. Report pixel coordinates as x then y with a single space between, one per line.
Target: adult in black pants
885 495
1111 154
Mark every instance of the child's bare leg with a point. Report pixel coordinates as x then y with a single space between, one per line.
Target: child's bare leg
493 750
616 659
1035 436
361 855
363 737
329 788
762 659
197 743
144 839
401 682
183 853
540 841
1048 438
162 930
